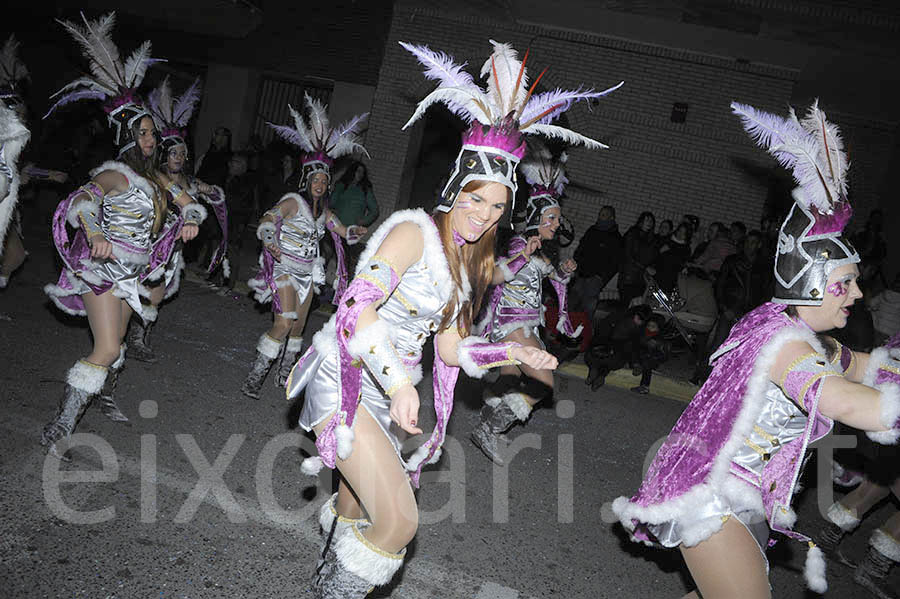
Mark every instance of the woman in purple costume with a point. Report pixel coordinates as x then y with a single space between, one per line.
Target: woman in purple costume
419 275
116 218
726 474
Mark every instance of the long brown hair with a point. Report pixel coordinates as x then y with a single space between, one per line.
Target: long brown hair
145 166
478 259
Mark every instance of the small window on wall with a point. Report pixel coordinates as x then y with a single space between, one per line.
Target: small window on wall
679 112
274 97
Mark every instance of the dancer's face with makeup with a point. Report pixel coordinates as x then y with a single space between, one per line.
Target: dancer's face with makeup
549 223
478 210
841 291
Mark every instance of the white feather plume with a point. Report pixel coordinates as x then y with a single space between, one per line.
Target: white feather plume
12 70
136 65
184 106
567 135
502 90
318 120
317 135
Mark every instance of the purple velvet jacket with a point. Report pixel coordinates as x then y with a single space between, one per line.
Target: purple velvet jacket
695 461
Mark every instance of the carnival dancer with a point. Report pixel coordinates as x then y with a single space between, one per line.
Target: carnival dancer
172 116
13 136
115 217
419 275
727 472
291 264
515 311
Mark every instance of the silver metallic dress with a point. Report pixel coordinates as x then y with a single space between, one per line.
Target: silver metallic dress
126 220
412 313
520 305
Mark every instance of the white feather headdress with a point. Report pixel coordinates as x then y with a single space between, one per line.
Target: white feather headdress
173 114
110 78
812 148
317 136
541 169
507 98
12 70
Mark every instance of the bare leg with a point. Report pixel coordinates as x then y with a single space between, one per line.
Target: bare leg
108 318
347 504
302 314
543 376
865 497
379 480
13 253
156 295
281 326
728 564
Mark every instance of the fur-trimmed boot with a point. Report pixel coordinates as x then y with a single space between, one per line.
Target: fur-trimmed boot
83 382
292 350
333 526
356 567
267 351
872 572
105 399
138 337
498 415
839 521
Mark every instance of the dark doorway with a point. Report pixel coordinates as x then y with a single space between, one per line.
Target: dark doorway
441 141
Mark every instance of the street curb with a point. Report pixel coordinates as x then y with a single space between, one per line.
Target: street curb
661 386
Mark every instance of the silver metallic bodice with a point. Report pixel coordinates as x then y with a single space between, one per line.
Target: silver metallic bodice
128 217
5 174
780 422
524 291
413 311
300 235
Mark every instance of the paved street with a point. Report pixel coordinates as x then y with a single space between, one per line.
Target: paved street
203 494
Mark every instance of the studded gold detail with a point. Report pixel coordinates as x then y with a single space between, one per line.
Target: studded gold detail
374 266
372 350
350 302
471 163
413 312
346 333
772 488
385 370
814 293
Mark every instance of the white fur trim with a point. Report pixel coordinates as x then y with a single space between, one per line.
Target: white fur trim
125 170
894 353
289 315
226 267
814 570
325 340
302 206
268 347
318 270
150 313
492 401
877 358
364 559
437 456
785 518
327 513
518 405
418 456
508 275
13 136
414 373
841 516
433 253
311 466
885 544
889 403
363 339
345 437
87 377
754 399
561 327
82 205
201 210
740 495
54 292
121 359
294 344
263 227
282 284
465 360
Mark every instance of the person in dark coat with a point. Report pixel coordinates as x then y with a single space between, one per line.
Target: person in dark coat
639 252
598 255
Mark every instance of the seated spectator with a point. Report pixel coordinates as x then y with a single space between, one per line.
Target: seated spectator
598 255
639 252
615 343
673 255
885 309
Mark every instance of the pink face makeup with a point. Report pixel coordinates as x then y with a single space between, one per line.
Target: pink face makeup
837 289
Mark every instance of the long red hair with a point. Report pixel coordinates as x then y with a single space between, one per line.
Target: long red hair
478 259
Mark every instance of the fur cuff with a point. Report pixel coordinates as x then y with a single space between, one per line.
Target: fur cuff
121 359
268 347
842 517
150 313
194 213
508 275
84 207
363 339
327 515
491 354
318 271
890 415
465 360
87 377
518 405
289 315
814 570
374 565
885 544
263 229
294 344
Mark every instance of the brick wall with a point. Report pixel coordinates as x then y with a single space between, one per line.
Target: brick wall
706 166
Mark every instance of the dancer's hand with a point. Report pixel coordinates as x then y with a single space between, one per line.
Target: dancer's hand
189 231
274 250
101 249
569 266
405 409
204 188
532 245
534 357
